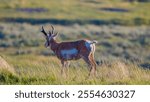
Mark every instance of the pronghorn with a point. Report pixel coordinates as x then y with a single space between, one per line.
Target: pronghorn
66 51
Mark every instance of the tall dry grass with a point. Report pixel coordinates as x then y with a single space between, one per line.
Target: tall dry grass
6 66
46 70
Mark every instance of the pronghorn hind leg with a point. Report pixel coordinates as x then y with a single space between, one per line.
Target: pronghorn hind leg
93 70
90 64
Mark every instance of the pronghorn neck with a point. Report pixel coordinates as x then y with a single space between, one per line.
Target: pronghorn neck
54 45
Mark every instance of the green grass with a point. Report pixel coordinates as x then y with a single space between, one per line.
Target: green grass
122 47
81 10
30 69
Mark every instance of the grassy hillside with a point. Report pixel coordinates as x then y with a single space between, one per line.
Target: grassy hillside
120 27
83 11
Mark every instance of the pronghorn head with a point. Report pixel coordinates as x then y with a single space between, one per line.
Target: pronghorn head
49 36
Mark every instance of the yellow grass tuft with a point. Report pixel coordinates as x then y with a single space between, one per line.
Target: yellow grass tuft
5 66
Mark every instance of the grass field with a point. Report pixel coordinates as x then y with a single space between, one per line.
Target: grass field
120 27
44 70
82 11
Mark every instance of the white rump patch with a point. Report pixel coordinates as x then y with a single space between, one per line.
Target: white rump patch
69 54
89 45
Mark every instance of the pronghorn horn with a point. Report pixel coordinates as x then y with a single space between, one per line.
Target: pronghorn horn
43 31
52 29
50 33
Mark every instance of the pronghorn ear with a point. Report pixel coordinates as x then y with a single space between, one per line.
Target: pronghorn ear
55 35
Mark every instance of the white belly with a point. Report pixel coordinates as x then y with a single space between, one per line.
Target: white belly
69 54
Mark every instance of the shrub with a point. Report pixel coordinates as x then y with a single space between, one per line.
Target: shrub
2 36
7 77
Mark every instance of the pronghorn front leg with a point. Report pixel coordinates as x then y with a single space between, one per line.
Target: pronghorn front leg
64 70
66 67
